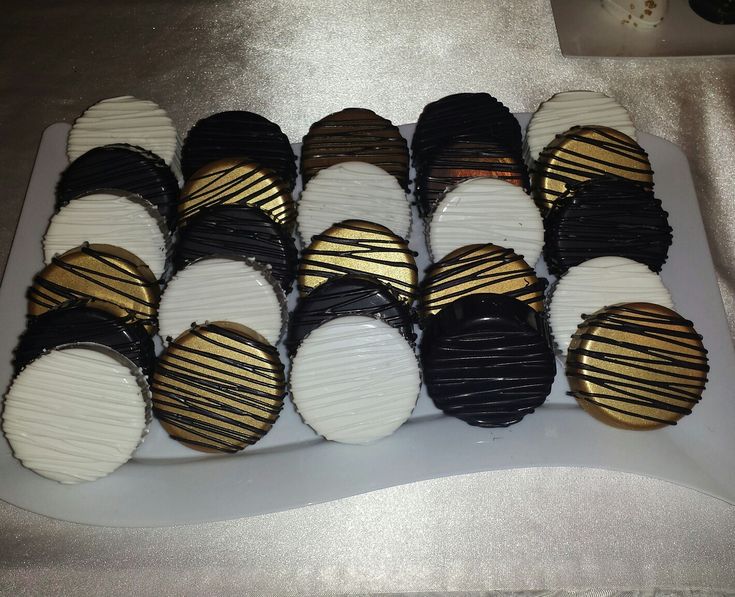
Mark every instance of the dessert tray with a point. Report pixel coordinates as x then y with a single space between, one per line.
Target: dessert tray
166 483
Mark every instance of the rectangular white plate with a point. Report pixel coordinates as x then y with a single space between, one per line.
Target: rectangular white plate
167 484
586 29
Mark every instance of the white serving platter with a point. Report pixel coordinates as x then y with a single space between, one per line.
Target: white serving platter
166 483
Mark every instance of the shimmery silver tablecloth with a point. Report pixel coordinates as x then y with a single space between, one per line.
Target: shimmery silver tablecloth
295 61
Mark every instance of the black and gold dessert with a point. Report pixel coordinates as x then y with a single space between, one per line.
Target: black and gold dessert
237 181
359 247
124 167
355 134
585 152
93 321
480 269
239 133
97 272
239 231
352 294
606 216
218 387
454 116
637 366
487 360
463 158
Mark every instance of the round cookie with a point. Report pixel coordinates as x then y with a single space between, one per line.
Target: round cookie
114 218
126 119
218 387
587 152
487 361
239 231
91 321
355 380
478 114
100 272
596 283
637 366
239 133
355 134
567 109
606 216
465 158
360 247
352 294
223 289
237 181
353 191
486 210
639 14
77 413
124 167
480 269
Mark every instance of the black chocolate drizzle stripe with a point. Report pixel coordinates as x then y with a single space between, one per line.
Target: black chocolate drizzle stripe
219 191
461 271
606 216
602 368
358 251
225 411
571 166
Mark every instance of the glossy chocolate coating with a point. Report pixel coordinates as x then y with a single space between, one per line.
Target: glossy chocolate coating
352 294
239 231
355 134
464 158
721 12
218 387
87 321
487 361
606 216
123 167
462 114
637 366
238 134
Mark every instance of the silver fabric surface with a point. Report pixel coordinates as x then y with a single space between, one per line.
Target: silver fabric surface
295 61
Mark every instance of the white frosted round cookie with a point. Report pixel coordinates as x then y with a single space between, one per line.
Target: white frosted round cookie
110 218
76 414
486 210
598 283
221 289
355 379
638 14
564 110
353 191
129 120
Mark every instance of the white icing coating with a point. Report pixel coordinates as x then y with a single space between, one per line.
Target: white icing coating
355 379
75 414
564 110
598 283
487 210
639 14
111 218
126 119
221 289
353 191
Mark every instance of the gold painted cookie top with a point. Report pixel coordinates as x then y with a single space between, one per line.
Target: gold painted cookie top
238 181
637 366
480 269
100 272
218 387
357 246
584 152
